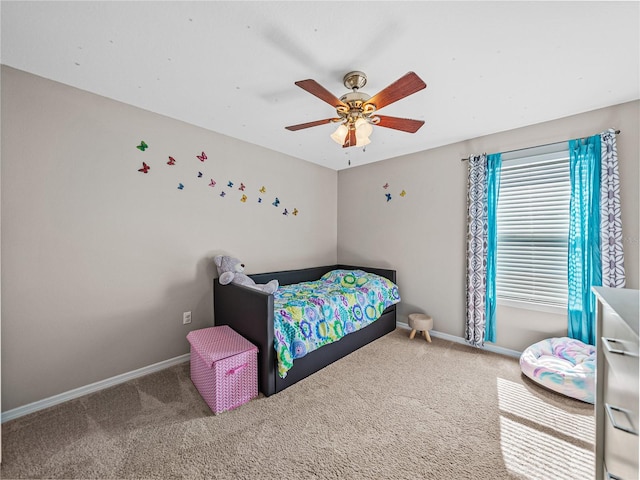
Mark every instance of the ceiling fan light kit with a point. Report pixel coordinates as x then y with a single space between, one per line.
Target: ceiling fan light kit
356 111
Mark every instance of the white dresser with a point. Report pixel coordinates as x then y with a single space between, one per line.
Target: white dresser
617 419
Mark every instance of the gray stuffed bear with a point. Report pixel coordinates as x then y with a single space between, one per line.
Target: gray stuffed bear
230 271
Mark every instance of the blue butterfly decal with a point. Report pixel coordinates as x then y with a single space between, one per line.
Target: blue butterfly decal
222 194
276 202
388 195
286 212
230 184
199 174
180 186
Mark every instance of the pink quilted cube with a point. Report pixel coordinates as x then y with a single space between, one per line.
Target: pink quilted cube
224 367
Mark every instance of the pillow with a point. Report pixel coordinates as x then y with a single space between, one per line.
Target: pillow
346 278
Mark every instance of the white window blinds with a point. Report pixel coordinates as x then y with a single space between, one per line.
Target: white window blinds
533 225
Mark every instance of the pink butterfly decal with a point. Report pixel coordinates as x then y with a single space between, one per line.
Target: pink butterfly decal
172 161
202 157
213 183
145 168
241 187
385 186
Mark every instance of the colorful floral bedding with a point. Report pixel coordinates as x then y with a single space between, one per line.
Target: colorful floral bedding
309 315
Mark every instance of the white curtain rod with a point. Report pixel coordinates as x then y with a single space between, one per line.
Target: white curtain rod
526 148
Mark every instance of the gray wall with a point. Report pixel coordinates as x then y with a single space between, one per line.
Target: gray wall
99 261
423 234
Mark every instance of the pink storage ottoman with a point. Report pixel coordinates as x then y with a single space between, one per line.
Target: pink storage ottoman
224 367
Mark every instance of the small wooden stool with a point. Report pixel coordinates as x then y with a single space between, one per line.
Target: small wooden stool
422 322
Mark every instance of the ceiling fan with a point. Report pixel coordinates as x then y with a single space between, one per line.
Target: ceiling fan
357 111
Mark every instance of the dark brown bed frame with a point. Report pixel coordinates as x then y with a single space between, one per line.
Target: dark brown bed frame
250 313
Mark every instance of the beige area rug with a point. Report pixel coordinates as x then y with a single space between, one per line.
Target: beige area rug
395 409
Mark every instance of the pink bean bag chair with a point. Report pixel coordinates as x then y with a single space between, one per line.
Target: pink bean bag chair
564 365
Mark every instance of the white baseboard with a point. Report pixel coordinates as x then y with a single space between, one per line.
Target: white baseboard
94 387
453 338
110 382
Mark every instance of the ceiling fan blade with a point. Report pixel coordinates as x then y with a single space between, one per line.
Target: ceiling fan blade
350 140
314 88
403 87
300 126
404 124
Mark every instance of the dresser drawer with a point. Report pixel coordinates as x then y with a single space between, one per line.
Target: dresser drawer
620 378
615 328
620 450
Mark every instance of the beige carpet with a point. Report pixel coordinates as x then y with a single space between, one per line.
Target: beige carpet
395 409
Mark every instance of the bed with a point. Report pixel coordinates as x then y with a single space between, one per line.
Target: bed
250 312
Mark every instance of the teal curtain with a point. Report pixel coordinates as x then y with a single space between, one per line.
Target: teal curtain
584 268
494 164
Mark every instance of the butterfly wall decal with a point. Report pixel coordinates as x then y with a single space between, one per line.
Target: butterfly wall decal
243 199
403 193
212 183
199 174
202 157
276 202
241 187
388 195
143 146
263 190
385 186
286 212
295 211
259 200
222 194
172 161
180 186
230 184
145 168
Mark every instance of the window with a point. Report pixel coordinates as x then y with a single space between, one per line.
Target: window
533 227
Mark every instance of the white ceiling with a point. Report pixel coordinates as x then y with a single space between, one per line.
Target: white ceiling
230 66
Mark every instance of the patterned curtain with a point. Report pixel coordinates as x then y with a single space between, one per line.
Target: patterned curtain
595 232
476 250
610 221
482 199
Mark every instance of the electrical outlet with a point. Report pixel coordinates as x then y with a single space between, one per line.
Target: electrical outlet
186 318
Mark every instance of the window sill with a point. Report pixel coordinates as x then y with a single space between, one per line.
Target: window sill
539 307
